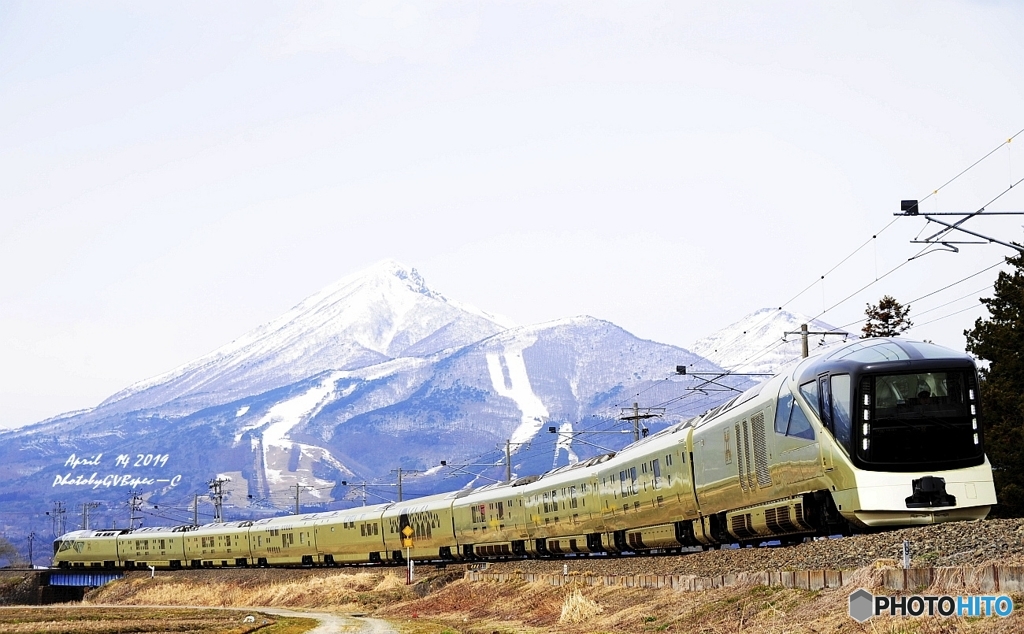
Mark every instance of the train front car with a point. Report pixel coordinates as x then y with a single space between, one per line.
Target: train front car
907 446
86 548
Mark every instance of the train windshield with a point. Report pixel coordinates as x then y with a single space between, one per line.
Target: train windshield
918 421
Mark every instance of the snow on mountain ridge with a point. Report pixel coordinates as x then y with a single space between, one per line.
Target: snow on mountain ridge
757 343
363 319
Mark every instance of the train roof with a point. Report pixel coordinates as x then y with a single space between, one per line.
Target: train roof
224 525
874 354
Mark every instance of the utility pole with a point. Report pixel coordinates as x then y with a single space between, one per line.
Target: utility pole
508 461
636 417
298 487
86 507
136 506
31 539
363 485
195 509
217 486
57 520
803 332
400 471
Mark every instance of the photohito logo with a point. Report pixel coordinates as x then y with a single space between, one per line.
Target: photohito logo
864 605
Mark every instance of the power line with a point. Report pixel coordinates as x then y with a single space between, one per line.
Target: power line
972 307
971 166
952 301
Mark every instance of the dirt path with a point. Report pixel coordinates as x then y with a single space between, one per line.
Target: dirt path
334 623
330 623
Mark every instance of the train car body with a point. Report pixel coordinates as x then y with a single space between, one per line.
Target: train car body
873 434
351 536
156 547
426 523
217 545
86 548
284 541
491 521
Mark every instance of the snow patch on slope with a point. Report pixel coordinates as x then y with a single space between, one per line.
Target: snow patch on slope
510 379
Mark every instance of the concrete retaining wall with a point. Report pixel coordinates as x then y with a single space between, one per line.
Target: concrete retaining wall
987 579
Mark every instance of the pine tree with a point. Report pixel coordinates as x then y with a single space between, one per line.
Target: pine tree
1000 341
887 318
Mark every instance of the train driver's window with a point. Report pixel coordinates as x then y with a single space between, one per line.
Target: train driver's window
790 418
809 391
785 404
799 426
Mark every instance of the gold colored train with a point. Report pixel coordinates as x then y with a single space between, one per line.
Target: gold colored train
874 434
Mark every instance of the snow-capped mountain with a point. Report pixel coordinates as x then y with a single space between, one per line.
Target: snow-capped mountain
381 313
374 373
759 342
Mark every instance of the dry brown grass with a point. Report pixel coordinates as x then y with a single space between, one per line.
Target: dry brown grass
93 620
577 608
532 608
482 608
358 591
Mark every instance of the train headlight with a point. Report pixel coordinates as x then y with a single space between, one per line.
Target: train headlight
974 423
867 414
975 439
974 411
970 394
865 443
867 400
866 429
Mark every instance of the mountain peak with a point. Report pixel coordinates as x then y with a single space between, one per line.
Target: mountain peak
382 312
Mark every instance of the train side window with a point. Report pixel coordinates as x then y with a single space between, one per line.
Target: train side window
799 426
809 391
782 412
841 398
825 400
632 477
656 469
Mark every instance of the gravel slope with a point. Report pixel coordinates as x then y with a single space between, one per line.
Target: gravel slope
950 544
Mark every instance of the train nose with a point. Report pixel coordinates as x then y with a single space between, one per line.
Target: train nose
929 492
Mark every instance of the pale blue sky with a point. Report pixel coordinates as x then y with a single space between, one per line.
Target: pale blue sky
172 175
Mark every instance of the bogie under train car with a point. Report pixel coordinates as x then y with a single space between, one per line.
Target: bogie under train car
873 434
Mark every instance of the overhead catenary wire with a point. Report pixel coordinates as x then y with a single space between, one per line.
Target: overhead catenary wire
971 307
952 301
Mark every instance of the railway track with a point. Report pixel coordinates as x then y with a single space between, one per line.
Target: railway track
949 544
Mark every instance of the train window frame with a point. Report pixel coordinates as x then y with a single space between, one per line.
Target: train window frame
841 402
790 419
804 429
783 409
809 391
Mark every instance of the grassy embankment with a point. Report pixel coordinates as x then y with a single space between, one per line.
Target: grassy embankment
445 603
